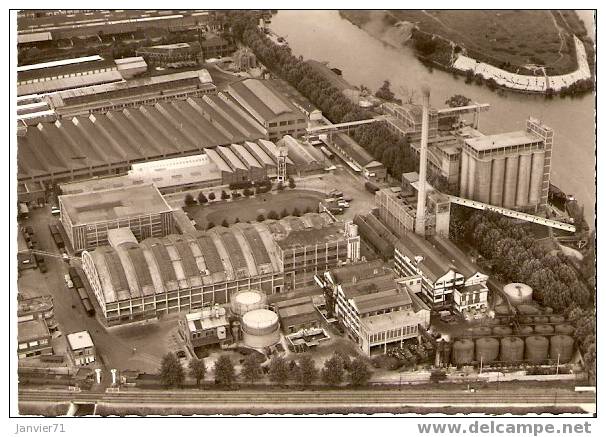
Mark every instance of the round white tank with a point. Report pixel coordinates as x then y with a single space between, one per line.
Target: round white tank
247 300
518 293
260 328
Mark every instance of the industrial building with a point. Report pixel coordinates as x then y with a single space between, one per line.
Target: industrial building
406 121
369 167
206 327
374 306
306 159
215 46
72 73
87 217
33 339
298 314
336 80
81 348
131 93
38 308
511 169
109 143
448 279
268 107
172 53
244 59
443 158
138 280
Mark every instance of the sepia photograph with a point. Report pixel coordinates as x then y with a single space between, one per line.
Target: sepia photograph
303 212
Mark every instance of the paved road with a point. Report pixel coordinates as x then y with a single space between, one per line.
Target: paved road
318 399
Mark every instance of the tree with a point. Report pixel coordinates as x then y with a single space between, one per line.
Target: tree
197 370
278 370
333 370
280 186
189 200
224 195
224 371
171 371
212 196
225 223
296 212
210 225
202 198
291 183
385 92
359 373
237 220
251 368
272 215
247 192
260 218
284 213
306 371
457 101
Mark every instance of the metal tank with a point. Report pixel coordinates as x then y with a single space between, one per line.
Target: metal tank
501 310
526 319
536 177
543 329
547 310
557 318
260 328
481 331
487 349
462 351
511 182
518 293
523 179
536 349
527 310
525 330
562 346
247 300
497 181
484 168
565 329
512 349
541 319
502 330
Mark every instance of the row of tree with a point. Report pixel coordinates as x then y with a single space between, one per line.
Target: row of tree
246 192
337 369
271 215
380 142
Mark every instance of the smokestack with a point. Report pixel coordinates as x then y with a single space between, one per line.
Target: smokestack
420 222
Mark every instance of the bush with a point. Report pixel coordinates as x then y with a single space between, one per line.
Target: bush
189 200
291 183
202 198
280 186
260 218
240 185
247 192
212 196
210 225
224 195
273 215
225 223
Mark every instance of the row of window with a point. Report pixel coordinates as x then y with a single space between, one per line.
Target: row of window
26 345
393 333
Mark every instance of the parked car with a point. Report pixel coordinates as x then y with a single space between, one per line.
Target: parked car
68 281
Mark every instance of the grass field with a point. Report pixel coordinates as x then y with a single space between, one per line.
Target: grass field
247 209
495 36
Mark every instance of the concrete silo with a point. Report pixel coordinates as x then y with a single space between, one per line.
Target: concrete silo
511 182
536 177
497 181
523 179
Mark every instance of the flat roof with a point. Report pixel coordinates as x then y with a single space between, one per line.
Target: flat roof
311 236
79 340
32 330
505 139
112 204
383 322
59 63
382 300
34 304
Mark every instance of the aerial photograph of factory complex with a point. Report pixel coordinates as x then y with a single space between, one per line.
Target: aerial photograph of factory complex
234 212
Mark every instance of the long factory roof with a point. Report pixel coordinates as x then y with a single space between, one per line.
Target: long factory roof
146 132
220 254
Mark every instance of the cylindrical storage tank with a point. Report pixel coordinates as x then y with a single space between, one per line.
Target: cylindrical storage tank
523 179
518 293
502 330
541 319
471 182
447 353
511 182
501 310
564 329
481 330
484 168
543 329
247 300
260 328
547 310
536 177
525 330
527 310
464 173
557 318
536 348
497 181
462 351
487 349
526 319
512 349
562 345
493 322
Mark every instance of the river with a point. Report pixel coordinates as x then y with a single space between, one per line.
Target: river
325 36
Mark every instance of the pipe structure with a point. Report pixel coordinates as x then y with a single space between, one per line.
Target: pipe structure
420 219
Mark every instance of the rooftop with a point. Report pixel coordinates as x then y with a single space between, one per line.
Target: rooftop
208 318
383 322
260 97
312 236
382 300
35 304
79 340
32 330
298 314
506 139
434 264
114 204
